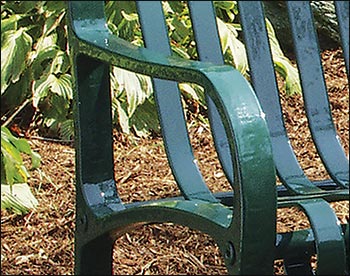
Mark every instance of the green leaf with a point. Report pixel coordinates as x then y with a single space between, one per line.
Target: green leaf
230 42
13 144
55 7
123 118
187 89
13 164
45 42
19 199
22 7
62 86
16 46
36 159
57 63
8 168
130 17
132 85
67 129
11 159
145 119
10 23
42 60
52 22
229 7
181 52
41 88
18 92
180 27
282 65
176 6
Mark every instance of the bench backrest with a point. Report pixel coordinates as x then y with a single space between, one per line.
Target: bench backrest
314 92
265 85
264 81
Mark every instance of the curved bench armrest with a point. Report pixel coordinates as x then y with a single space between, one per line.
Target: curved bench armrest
249 145
243 119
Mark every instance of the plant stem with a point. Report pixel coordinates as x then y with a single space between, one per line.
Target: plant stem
23 105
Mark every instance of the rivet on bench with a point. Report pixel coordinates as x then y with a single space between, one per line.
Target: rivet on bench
83 222
230 255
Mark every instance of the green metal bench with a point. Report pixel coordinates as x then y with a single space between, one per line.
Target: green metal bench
249 134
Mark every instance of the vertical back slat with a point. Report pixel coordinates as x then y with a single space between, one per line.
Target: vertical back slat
342 10
264 82
206 33
170 110
315 95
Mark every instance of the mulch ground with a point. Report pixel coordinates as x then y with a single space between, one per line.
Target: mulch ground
42 242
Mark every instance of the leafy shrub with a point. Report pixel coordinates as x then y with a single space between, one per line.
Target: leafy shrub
35 66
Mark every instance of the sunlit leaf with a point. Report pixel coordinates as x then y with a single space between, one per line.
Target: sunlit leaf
230 42
11 149
62 86
130 82
282 64
41 88
45 42
181 52
18 198
193 91
16 46
40 58
11 157
59 85
10 23
52 22
145 119
123 118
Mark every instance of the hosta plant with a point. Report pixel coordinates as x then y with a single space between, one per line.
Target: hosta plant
35 66
15 192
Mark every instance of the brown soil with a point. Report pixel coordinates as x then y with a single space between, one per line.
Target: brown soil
42 242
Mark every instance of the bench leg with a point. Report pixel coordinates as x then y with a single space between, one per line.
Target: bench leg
95 257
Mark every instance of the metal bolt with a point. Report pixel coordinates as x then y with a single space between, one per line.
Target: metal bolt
230 253
83 222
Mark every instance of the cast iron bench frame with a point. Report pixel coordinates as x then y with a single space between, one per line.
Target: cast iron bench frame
248 130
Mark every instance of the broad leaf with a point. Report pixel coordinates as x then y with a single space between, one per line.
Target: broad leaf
62 86
230 42
193 91
45 42
16 46
41 88
145 119
11 149
12 161
52 23
42 60
67 129
121 115
59 85
283 65
10 23
19 199
132 85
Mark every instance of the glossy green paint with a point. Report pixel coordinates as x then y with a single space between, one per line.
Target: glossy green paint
245 231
